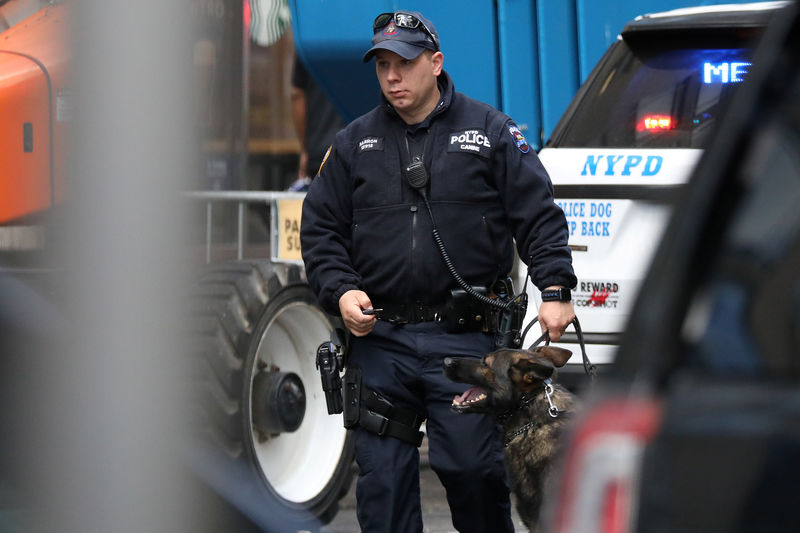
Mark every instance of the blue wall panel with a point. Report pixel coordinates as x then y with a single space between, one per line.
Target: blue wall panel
519 61
558 45
332 35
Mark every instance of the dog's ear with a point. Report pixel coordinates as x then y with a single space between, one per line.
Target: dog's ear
533 369
557 356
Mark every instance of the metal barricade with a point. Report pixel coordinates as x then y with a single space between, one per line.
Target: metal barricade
284 208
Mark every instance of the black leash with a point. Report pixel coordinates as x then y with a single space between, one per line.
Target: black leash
588 367
554 412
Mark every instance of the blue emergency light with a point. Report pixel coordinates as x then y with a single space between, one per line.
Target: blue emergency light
725 72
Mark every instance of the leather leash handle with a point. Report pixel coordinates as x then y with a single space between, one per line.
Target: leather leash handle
588 367
538 341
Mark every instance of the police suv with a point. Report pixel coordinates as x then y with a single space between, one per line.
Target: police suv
626 145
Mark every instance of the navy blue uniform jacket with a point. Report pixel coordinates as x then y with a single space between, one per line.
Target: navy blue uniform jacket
364 227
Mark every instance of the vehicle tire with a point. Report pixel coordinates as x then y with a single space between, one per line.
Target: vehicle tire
257 329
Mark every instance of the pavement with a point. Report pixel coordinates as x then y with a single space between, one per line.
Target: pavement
435 511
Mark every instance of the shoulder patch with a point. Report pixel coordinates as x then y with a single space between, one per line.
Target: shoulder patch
470 141
519 138
368 144
324 159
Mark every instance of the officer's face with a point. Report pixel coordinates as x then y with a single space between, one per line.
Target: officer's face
409 85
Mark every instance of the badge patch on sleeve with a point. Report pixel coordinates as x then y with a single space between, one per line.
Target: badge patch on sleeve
519 138
368 144
470 141
324 160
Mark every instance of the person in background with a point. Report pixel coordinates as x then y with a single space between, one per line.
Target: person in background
316 122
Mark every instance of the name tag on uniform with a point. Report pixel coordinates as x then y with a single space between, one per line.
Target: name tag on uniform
368 144
470 141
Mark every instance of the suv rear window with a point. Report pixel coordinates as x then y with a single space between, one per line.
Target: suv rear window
655 93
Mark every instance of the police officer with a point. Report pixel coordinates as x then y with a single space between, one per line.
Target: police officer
426 158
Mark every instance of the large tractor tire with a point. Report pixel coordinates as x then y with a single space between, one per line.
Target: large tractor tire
260 327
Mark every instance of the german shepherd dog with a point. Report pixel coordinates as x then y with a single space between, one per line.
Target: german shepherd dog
515 388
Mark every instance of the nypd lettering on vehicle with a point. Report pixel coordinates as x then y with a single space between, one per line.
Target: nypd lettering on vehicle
472 141
624 166
610 164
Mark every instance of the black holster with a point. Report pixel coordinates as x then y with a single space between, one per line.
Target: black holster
509 322
352 397
371 411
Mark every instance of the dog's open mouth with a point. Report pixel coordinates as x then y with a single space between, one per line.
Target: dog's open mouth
470 398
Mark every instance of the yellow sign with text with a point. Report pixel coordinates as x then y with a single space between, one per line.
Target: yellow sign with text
289 214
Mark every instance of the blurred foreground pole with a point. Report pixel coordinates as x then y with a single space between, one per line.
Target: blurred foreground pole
113 405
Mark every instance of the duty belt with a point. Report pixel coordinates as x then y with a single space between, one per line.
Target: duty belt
409 313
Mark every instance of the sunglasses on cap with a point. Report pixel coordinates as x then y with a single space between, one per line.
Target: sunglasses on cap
403 20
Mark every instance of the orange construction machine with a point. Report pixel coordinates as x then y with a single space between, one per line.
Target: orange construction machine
35 100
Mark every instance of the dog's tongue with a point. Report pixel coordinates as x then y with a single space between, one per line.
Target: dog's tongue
472 392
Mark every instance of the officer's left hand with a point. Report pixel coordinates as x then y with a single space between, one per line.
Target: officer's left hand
350 305
555 317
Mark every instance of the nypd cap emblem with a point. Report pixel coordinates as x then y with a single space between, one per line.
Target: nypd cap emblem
391 29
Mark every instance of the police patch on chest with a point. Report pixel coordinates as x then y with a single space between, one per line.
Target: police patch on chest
470 141
368 144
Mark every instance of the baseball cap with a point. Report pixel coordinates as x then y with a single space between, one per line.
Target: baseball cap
406 33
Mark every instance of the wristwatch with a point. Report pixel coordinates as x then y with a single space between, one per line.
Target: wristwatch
556 295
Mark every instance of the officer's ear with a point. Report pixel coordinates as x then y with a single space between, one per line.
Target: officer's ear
437 61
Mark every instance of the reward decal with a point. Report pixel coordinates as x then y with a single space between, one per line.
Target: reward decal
602 294
470 141
589 218
370 143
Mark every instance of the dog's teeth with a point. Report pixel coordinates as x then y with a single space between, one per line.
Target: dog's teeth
459 401
480 397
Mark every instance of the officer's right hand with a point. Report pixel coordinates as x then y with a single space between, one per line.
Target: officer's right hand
350 305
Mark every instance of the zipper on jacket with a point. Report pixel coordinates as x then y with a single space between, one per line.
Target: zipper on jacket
414 252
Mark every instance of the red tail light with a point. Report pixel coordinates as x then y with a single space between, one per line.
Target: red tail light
656 123
598 491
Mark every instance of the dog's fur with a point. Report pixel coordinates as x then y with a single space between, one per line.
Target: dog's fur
509 385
